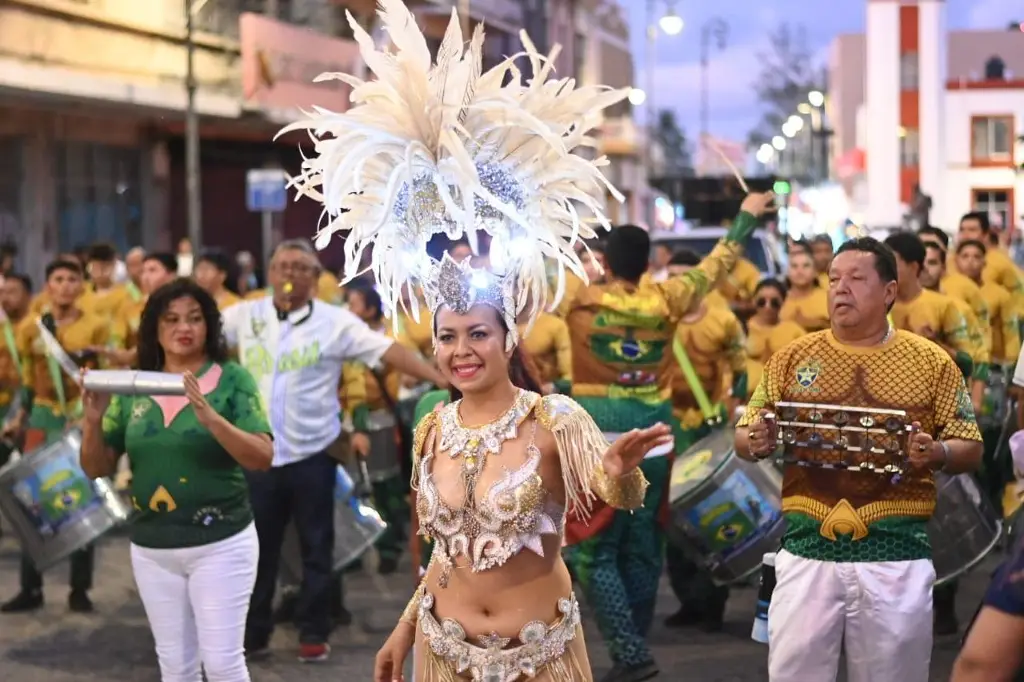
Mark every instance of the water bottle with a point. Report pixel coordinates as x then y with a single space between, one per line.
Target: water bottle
764 598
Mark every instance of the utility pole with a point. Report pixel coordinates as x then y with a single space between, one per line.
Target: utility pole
467 23
192 168
719 30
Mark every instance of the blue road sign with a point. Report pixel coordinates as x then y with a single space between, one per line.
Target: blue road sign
265 190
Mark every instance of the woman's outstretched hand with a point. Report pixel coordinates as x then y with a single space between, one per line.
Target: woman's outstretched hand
390 662
205 414
626 453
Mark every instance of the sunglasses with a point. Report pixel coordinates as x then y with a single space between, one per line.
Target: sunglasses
775 303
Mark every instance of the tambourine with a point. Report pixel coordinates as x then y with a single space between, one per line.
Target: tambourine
861 439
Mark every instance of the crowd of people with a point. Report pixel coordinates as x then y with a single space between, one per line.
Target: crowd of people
246 351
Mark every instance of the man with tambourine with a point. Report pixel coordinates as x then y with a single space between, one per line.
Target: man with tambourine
865 415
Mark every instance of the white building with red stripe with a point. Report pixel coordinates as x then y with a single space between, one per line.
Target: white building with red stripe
912 103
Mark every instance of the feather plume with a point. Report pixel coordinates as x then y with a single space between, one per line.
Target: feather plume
443 147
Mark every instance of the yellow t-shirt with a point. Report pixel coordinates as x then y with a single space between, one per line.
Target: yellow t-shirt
715 345
103 304
980 335
124 332
962 288
763 342
840 515
810 311
328 288
549 345
935 317
1004 323
738 285
359 386
10 358
227 300
88 331
999 269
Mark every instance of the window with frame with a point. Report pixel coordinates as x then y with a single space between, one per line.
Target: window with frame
991 138
909 71
997 203
910 148
98 194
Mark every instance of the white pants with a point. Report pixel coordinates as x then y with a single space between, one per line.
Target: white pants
881 612
197 600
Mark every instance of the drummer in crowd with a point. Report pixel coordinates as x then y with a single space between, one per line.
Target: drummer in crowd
708 347
158 269
1004 320
953 283
621 333
547 343
15 295
978 329
822 251
193 543
807 300
214 273
854 570
767 333
133 270
368 395
294 347
51 401
102 296
999 266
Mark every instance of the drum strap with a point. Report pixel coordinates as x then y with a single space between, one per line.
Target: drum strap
693 381
133 291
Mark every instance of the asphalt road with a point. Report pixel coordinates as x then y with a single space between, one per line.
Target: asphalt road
114 643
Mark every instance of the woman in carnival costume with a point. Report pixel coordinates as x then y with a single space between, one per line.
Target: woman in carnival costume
443 147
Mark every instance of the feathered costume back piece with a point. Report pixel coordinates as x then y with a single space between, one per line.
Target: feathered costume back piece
443 147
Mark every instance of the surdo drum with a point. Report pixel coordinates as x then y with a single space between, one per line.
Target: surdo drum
54 508
963 529
357 526
726 512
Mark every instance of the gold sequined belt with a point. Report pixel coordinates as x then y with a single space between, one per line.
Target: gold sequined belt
488 660
843 519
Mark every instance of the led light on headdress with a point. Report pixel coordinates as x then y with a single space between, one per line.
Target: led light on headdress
446 148
459 287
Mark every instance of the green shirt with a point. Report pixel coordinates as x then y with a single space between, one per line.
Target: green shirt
427 403
186 489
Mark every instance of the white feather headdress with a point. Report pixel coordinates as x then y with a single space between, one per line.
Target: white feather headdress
443 147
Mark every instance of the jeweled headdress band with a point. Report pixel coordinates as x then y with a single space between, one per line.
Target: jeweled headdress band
443 147
459 287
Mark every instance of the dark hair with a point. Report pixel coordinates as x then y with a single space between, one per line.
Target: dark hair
371 299
981 217
937 233
685 257
168 260
596 246
885 259
803 246
972 242
627 252
151 355
908 246
224 263
521 368
63 264
935 247
771 283
25 280
101 253
8 249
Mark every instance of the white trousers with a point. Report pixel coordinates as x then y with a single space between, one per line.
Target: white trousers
881 612
197 600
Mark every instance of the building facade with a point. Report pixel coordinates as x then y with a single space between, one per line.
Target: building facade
917 107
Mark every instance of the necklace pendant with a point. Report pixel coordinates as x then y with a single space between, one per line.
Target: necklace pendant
470 463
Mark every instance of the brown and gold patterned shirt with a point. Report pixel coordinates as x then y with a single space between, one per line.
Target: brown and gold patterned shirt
839 515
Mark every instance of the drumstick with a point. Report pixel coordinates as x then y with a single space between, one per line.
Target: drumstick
57 352
735 171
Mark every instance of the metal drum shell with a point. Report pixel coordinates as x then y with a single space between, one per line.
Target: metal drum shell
103 512
357 527
383 461
963 529
697 485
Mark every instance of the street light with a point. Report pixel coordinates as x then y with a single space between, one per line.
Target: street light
765 154
779 142
804 108
796 123
672 24
788 130
637 97
816 98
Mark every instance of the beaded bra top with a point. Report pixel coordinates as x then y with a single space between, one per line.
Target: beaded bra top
510 515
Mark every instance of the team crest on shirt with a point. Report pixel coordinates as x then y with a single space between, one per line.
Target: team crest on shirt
964 407
807 374
257 325
207 516
139 409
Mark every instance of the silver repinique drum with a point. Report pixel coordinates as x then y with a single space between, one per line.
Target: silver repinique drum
54 508
383 461
726 512
357 526
964 528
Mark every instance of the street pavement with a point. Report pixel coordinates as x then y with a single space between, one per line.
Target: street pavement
114 643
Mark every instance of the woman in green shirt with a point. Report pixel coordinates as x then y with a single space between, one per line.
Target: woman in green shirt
194 546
